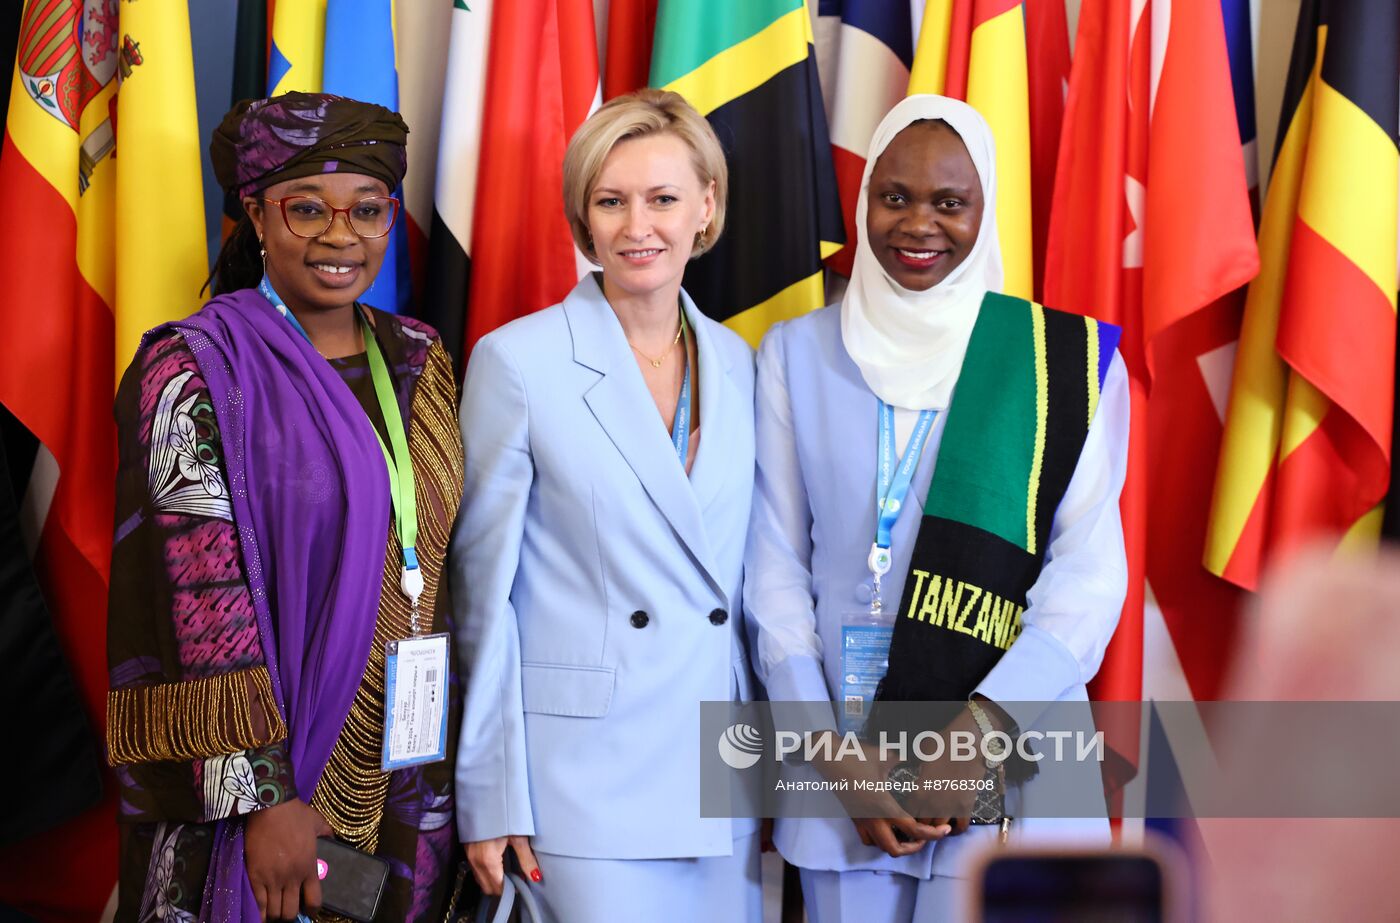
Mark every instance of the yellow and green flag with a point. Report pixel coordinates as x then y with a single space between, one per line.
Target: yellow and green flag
748 66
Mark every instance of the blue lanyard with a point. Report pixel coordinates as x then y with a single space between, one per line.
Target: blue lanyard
402 490
680 427
892 488
265 287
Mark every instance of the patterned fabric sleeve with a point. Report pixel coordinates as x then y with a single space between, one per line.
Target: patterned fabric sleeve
192 728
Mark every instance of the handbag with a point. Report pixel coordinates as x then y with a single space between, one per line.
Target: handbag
515 905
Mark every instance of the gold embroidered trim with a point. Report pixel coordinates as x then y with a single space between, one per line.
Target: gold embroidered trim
190 720
353 789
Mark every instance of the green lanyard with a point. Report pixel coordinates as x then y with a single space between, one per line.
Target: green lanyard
402 491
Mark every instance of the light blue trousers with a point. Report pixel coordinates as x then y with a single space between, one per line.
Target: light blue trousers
703 890
882 897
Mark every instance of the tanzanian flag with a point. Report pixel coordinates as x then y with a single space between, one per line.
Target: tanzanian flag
1307 448
748 66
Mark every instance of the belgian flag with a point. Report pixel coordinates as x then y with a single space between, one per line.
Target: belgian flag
1307 448
749 67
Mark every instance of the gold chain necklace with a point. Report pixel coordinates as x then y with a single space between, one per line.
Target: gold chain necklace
656 363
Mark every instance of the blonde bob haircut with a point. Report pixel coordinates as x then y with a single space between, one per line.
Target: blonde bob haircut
636 115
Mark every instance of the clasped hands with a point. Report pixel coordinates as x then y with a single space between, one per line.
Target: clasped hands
901 823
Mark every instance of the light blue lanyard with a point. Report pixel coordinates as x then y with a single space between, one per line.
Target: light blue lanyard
680 427
265 287
892 488
402 492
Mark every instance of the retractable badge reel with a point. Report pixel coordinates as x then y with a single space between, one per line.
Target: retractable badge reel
866 634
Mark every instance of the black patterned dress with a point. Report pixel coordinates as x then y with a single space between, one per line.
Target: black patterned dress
191 729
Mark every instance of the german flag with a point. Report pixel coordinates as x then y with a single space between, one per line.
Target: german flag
749 67
1307 448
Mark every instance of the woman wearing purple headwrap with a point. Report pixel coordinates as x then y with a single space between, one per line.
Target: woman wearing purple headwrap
290 467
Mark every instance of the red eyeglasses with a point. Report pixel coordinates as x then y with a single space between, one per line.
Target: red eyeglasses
308 216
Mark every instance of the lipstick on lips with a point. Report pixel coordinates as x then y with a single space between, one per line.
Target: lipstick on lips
919 259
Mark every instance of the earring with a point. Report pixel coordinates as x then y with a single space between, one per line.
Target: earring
700 239
262 252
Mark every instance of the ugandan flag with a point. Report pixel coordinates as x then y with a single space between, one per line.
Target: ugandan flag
748 66
1307 447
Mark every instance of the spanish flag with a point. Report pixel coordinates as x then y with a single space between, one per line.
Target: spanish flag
105 247
1307 445
748 66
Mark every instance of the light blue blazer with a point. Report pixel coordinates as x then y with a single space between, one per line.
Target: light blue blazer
597 590
813 523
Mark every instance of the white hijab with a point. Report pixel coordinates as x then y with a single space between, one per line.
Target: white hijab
910 345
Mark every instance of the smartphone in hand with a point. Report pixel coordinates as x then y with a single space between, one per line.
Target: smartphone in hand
352 882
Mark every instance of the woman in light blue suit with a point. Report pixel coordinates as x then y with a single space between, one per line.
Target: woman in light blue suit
599 549
930 433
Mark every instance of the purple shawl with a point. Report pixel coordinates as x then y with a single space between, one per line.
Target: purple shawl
311 502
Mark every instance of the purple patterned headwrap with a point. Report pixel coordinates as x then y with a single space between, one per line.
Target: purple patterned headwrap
266 141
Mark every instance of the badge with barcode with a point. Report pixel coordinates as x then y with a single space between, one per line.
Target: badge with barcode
415 701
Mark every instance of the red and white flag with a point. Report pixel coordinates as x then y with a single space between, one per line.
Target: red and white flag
542 81
1151 229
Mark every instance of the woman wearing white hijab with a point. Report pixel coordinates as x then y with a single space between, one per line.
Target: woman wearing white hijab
992 435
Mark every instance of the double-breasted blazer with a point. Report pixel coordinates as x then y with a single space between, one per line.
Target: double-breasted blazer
597 589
